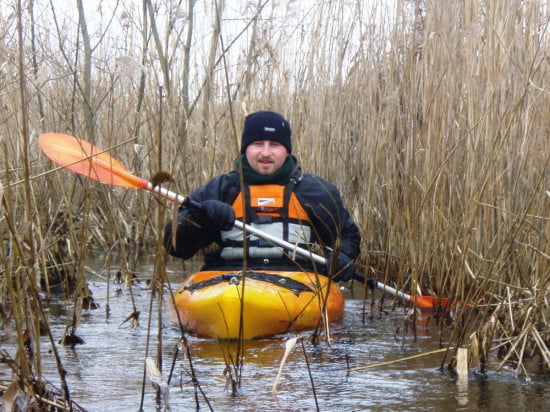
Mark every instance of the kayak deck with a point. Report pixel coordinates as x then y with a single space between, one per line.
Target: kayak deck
216 304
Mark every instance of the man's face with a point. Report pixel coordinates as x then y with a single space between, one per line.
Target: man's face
266 156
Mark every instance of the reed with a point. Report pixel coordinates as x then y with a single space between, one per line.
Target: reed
433 119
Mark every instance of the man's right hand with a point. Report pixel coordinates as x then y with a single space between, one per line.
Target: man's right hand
219 215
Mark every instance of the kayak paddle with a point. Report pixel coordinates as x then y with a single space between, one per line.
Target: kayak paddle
88 160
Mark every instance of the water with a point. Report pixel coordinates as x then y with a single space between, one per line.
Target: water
106 373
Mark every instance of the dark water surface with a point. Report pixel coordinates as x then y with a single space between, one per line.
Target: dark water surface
106 373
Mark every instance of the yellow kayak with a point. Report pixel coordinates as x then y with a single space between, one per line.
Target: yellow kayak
209 303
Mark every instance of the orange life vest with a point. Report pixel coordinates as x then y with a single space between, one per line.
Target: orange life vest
273 209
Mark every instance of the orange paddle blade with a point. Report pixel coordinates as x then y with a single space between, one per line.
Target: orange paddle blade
432 302
88 160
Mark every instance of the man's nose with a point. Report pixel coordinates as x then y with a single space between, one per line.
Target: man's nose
266 147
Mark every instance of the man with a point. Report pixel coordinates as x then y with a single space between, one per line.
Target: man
277 198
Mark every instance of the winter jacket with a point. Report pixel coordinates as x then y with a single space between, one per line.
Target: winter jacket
318 197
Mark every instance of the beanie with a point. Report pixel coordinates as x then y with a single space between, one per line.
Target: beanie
266 126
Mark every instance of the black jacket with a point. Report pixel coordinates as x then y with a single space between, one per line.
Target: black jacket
320 199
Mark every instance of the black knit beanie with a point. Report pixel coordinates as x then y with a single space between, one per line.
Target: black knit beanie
266 126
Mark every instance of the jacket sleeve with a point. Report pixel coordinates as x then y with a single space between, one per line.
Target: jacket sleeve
191 234
331 220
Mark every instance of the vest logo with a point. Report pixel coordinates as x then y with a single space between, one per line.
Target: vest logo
264 201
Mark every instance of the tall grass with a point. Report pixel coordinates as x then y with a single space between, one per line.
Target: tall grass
433 118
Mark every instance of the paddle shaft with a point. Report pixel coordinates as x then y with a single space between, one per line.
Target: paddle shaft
373 283
170 195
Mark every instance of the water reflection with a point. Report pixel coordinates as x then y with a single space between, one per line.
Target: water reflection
462 392
106 373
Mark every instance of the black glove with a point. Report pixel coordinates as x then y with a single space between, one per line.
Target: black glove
217 215
344 268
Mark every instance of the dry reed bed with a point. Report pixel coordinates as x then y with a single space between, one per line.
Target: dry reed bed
433 120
